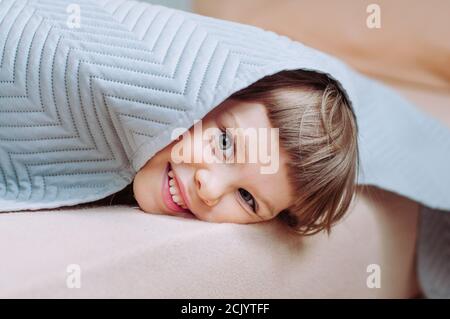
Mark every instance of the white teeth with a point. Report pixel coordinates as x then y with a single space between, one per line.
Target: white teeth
173 189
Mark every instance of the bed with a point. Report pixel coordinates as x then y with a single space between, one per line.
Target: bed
121 252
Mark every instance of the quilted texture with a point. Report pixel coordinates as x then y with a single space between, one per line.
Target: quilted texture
83 109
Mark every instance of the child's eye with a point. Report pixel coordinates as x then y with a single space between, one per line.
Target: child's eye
226 143
248 198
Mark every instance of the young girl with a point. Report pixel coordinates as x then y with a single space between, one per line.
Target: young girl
315 182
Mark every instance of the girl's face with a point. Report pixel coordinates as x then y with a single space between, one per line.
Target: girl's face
225 190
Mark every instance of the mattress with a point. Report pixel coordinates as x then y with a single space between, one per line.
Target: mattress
121 252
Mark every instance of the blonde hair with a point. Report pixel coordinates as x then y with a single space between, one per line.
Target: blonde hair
318 130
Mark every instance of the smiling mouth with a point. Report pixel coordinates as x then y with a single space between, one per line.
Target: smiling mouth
174 190
172 194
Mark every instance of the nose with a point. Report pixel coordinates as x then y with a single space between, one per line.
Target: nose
208 188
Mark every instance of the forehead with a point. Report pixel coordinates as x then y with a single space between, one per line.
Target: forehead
249 114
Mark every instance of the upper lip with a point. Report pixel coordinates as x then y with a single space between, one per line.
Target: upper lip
182 189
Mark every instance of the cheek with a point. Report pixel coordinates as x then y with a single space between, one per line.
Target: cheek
193 146
227 211
147 184
139 189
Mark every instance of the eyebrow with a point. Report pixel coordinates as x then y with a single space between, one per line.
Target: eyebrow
266 203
